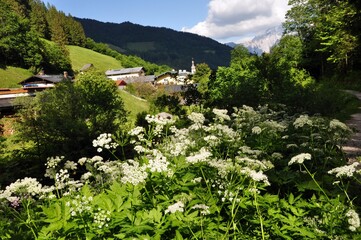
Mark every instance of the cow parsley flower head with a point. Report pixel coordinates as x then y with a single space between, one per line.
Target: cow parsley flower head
353 220
197 118
201 156
335 124
104 141
53 162
301 121
159 163
221 114
178 206
133 173
204 209
256 130
345 171
300 158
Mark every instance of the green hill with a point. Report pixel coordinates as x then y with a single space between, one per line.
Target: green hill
80 56
10 76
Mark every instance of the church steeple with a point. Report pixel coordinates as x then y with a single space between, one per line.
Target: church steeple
193 67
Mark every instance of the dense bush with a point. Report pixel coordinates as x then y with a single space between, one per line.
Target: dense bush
255 174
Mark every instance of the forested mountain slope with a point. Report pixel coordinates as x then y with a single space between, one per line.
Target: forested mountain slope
158 45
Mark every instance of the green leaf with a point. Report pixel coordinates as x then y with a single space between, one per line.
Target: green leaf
178 235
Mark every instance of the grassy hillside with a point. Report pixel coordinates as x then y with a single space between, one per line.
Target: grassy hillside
133 105
10 76
80 56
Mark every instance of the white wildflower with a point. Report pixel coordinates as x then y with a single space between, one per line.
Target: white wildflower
136 131
140 149
52 162
221 114
334 124
197 118
82 160
178 206
197 180
104 141
159 119
133 173
204 209
300 158
212 140
345 171
22 187
259 177
159 163
201 156
86 176
353 220
256 130
70 165
101 218
301 121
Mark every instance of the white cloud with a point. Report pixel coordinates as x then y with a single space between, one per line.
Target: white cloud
240 19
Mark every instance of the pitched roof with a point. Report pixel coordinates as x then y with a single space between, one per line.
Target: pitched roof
142 79
43 79
124 71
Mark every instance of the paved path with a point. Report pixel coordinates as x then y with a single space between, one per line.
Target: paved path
352 147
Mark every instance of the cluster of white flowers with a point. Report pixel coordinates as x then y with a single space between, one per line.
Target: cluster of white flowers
249 151
159 163
136 131
300 158
101 218
336 124
70 165
229 196
22 188
256 176
274 125
197 118
201 156
276 156
254 163
302 120
53 162
212 140
256 130
140 149
204 209
177 207
353 220
80 205
346 171
133 173
223 131
221 114
51 165
223 166
180 142
159 120
104 141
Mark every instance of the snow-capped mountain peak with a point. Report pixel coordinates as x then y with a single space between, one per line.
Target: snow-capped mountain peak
263 43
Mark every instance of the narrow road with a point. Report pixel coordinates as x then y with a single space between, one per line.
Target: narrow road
352 147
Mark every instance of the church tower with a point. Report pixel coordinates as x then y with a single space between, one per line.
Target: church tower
193 67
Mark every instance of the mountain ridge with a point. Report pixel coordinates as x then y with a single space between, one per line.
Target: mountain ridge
158 44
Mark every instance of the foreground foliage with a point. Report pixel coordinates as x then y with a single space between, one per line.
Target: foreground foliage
252 174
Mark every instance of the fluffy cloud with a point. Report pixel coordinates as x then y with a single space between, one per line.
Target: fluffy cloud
240 19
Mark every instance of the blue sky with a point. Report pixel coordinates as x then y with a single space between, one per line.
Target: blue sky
222 20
